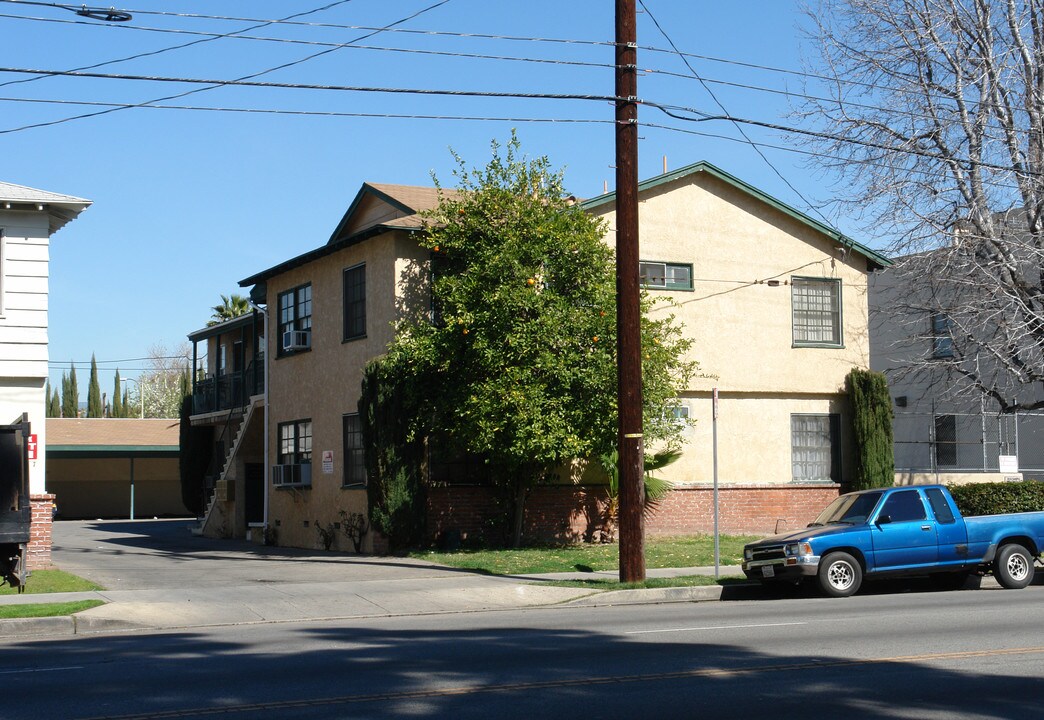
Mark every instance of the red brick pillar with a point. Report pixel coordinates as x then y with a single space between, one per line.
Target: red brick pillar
39 550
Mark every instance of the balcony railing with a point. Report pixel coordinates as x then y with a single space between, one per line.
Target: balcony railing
228 391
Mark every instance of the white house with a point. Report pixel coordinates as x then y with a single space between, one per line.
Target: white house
28 218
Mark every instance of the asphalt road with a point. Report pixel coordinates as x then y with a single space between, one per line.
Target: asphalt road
891 654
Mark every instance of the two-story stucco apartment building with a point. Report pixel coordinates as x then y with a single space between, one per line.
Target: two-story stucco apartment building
775 301
28 219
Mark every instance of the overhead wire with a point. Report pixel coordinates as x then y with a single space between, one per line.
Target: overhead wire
221 83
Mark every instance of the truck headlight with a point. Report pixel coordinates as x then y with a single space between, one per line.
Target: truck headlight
797 549
748 553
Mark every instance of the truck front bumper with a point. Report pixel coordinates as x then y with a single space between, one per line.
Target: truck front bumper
790 569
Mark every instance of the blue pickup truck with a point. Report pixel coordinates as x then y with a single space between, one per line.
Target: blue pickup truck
899 531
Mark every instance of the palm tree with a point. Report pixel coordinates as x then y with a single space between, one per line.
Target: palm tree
232 306
656 488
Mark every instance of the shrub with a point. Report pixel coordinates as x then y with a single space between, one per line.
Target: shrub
996 498
872 429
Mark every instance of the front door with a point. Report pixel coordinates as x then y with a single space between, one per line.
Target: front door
255 493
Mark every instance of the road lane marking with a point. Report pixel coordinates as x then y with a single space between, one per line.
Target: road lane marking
40 670
401 695
712 627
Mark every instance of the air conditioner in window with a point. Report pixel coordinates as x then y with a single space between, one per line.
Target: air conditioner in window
297 340
299 474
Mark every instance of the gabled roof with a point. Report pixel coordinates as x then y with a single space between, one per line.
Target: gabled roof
410 200
60 209
875 258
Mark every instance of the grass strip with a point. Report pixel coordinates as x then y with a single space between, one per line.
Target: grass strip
52 581
670 552
46 609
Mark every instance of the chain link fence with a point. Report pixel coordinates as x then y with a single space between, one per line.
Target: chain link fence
969 442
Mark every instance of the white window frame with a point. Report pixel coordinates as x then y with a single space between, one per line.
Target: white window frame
832 461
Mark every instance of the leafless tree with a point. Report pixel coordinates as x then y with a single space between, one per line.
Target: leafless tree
934 118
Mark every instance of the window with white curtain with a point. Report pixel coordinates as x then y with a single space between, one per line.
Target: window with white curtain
815 448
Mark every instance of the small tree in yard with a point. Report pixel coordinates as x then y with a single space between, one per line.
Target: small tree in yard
519 366
872 429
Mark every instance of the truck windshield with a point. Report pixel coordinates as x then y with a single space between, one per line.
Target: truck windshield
849 509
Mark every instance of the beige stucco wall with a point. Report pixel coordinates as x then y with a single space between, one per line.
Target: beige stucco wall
88 488
323 384
741 326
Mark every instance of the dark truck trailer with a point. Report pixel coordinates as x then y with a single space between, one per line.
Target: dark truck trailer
16 513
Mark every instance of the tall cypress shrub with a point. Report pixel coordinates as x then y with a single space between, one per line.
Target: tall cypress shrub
393 451
872 429
94 401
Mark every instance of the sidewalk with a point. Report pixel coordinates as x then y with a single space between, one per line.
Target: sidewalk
167 608
158 576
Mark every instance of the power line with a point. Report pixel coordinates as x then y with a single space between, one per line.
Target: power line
737 125
209 38
218 84
318 113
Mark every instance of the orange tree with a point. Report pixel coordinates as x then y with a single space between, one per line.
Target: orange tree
518 363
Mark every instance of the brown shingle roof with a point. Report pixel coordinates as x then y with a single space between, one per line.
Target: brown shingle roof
118 432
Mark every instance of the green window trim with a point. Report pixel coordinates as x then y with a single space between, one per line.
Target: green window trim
662 275
816 312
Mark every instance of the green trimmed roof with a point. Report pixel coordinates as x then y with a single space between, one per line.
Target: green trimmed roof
873 257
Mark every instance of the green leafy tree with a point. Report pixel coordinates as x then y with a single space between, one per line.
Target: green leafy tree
94 401
520 365
70 394
116 410
231 306
872 429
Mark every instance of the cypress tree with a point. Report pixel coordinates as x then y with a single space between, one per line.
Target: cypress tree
54 405
70 395
94 401
117 405
47 399
872 429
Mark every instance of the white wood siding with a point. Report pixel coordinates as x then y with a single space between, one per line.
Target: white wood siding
23 323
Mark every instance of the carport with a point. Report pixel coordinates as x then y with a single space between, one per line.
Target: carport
114 467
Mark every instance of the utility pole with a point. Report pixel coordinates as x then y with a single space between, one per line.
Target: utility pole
628 312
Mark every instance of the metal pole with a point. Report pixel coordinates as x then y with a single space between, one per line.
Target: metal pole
132 488
714 443
628 333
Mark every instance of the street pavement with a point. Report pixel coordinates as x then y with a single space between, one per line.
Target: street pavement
157 575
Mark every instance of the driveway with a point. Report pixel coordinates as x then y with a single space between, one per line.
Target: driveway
162 554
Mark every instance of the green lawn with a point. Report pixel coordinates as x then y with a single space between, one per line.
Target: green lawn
52 581
682 551
46 609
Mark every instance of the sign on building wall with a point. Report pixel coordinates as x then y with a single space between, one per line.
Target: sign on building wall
32 446
327 462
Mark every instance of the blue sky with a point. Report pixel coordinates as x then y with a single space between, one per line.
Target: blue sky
188 202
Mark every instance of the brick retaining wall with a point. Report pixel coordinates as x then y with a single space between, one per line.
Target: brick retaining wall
39 550
569 513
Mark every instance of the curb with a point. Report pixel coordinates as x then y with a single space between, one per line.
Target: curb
63 625
656 596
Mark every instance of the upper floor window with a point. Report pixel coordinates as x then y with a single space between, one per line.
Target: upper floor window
665 275
355 302
295 319
816 312
942 339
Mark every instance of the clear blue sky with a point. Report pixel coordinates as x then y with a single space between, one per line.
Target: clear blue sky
188 202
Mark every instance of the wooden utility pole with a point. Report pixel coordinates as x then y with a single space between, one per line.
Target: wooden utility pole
628 311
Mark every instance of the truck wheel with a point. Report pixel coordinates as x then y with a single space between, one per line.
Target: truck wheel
1013 567
840 575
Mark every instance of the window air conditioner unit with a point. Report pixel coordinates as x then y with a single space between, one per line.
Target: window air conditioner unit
295 474
297 340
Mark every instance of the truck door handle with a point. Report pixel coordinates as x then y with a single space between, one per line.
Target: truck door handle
926 527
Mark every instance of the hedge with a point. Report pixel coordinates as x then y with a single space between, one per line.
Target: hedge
997 498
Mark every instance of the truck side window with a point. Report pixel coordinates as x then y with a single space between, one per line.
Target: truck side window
939 506
904 506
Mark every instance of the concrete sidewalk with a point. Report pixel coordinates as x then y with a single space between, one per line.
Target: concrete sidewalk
159 577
